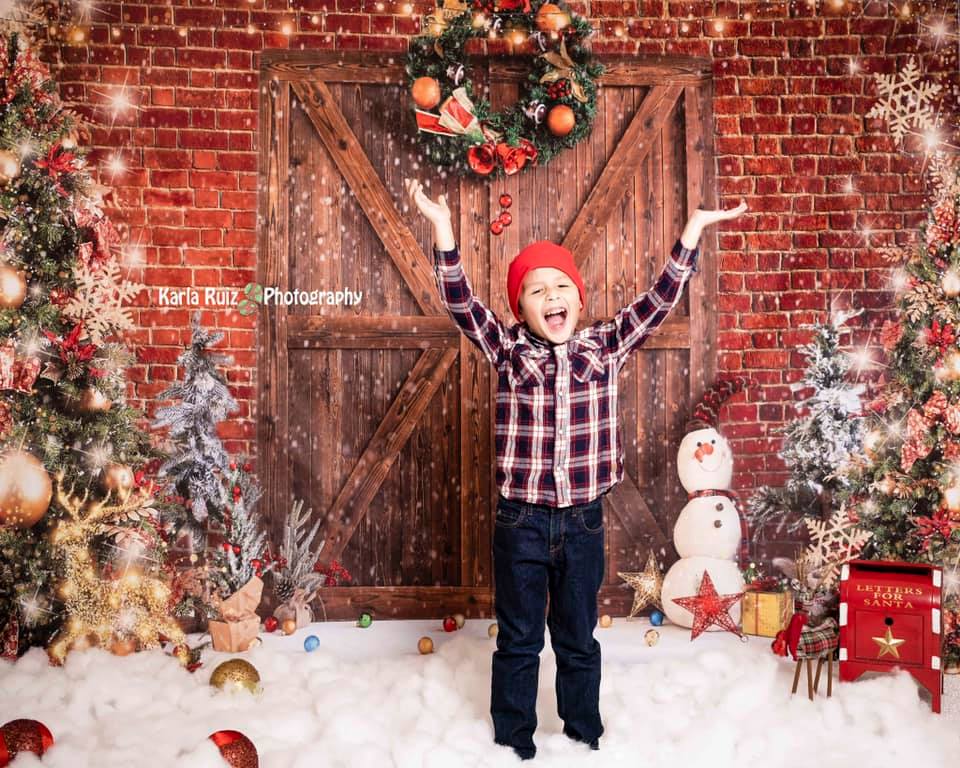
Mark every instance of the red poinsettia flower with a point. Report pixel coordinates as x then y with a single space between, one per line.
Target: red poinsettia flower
938 525
57 162
940 337
70 348
482 159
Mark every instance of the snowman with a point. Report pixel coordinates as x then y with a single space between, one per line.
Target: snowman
710 533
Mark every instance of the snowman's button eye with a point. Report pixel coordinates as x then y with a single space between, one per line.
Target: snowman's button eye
699 443
718 524
719 507
713 442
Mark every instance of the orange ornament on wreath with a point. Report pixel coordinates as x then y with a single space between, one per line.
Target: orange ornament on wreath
552 18
561 120
425 92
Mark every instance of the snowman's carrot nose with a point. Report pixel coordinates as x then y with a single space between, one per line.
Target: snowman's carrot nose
703 450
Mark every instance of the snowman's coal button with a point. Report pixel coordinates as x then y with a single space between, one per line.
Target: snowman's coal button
718 523
719 506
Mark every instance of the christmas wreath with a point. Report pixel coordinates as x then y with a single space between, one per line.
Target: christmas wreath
458 130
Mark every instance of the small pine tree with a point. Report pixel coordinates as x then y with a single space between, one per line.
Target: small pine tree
198 455
817 445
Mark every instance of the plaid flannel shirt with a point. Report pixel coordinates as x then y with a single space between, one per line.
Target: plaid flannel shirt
557 427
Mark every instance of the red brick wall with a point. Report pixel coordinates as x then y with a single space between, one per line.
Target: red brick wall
791 138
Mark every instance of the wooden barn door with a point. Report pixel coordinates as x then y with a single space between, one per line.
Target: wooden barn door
379 414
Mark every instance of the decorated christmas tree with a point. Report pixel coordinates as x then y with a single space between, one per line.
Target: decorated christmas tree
63 383
818 443
197 455
906 488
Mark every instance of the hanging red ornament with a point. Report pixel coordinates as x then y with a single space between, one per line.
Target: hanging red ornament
496 227
233 466
256 563
506 218
505 200
247 467
449 624
271 623
709 608
482 159
236 549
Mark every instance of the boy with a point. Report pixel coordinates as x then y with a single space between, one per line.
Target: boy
558 452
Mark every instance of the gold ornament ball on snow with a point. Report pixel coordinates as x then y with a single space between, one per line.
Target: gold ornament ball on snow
289 626
9 166
460 619
25 490
235 674
425 646
118 479
651 636
13 287
492 630
951 283
606 621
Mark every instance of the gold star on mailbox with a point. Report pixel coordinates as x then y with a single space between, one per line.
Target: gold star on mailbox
888 644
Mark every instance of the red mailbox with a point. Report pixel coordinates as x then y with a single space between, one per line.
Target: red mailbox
889 618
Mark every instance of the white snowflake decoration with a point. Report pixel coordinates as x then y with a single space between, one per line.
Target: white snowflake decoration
99 301
905 100
832 543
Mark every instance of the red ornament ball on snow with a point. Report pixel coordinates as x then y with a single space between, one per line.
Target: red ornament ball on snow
496 227
449 624
270 624
505 200
23 736
506 219
237 750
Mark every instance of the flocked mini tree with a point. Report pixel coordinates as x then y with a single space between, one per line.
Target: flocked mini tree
197 456
63 414
906 488
818 443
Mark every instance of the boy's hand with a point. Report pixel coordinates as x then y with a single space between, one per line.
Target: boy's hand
432 211
701 218
437 213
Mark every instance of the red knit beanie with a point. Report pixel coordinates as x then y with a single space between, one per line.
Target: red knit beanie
536 255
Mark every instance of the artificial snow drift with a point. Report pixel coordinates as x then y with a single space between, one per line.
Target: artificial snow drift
366 698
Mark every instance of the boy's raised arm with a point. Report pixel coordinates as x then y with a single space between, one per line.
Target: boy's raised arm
633 323
477 321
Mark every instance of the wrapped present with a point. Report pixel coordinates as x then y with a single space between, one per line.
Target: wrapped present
240 625
296 608
766 613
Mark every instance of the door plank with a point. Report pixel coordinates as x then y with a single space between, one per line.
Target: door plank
626 158
370 471
371 194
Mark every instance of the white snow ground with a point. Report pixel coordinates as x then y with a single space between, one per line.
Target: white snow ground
367 698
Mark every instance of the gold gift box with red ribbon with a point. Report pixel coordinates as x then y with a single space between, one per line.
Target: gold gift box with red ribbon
766 613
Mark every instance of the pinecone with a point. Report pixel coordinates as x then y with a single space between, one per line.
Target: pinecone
283 587
559 89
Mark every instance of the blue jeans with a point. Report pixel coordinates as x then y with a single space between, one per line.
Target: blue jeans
540 550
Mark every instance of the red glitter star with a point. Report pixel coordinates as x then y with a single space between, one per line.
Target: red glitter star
709 608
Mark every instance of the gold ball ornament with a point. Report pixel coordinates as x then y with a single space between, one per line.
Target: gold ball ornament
606 621
425 92
950 282
25 490
92 400
289 626
460 619
425 646
493 629
9 166
123 645
552 18
13 287
234 675
561 120
118 479
651 637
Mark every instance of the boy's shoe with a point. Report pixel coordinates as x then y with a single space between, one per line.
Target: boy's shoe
594 744
524 753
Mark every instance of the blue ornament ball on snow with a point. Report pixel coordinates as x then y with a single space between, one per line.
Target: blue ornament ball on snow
311 643
656 618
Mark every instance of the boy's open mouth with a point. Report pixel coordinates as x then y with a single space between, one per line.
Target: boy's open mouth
555 318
